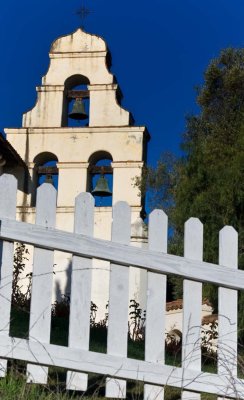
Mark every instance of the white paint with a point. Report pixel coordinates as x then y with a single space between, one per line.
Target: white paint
80 300
192 304
41 291
118 299
8 190
156 302
227 329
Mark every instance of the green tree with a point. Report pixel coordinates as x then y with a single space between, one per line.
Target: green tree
207 182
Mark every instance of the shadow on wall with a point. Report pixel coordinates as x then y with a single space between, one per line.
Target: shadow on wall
59 293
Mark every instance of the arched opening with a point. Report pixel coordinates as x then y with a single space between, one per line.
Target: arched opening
76 104
45 170
100 178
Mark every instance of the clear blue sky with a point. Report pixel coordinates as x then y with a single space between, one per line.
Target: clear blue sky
160 49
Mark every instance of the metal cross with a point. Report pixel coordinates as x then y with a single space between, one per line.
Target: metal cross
83 13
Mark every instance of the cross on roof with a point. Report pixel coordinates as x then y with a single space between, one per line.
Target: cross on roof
83 12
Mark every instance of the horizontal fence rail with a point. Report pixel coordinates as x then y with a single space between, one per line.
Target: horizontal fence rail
117 253
118 367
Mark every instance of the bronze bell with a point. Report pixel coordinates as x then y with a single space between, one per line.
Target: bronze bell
49 179
102 189
78 110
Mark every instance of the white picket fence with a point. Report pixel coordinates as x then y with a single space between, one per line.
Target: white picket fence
76 357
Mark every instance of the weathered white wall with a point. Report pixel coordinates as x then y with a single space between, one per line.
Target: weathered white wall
77 54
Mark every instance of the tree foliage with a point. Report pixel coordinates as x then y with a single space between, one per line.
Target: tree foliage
207 181
211 184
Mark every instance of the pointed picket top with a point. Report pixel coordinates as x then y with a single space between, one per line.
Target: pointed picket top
46 205
228 247
158 231
8 193
84 214
46 186
121 226
193 239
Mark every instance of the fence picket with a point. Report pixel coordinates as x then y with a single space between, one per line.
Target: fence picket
8 191
156 302
118 299
41 296
192 304
227 318
80 300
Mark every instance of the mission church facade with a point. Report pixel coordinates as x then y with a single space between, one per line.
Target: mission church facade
73 154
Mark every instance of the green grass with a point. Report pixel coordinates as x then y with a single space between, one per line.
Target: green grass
14 386
59 334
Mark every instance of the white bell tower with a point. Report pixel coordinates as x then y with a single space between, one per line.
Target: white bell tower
74 153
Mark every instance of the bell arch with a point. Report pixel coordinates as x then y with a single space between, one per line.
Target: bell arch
100 178
44 157
76 101
45 170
